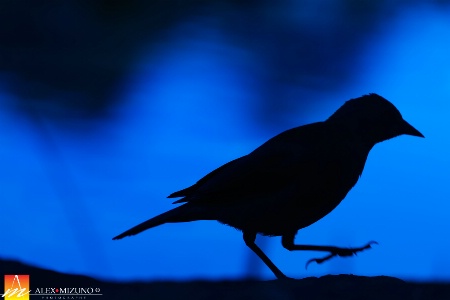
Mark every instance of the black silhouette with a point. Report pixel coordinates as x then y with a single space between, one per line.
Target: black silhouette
292 180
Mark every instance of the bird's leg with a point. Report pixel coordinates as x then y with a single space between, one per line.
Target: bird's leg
288 243
249 239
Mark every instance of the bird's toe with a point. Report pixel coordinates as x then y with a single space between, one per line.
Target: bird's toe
319 260
342 252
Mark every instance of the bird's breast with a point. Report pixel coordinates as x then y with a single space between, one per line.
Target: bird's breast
327 185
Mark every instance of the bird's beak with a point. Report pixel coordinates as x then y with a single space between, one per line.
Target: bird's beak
409 130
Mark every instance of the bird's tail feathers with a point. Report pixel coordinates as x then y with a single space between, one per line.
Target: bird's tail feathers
183 213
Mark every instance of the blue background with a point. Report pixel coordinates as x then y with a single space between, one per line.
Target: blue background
193 98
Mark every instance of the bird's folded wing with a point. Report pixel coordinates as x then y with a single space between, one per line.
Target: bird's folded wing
269 168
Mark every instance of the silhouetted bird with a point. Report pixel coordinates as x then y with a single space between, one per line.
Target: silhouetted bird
292 180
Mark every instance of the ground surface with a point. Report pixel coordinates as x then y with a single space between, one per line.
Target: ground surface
328 287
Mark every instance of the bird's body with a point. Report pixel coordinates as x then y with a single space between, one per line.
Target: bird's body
292 180
280 192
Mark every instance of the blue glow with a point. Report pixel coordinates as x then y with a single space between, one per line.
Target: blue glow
198 119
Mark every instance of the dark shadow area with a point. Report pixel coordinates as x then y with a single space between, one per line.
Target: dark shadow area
327 287
71 58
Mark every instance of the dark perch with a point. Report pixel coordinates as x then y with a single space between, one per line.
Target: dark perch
336 287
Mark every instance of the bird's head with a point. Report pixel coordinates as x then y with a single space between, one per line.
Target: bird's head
373 118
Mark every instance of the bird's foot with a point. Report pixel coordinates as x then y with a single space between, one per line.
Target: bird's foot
342 252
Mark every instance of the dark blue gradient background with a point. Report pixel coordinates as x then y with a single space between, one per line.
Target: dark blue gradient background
186 107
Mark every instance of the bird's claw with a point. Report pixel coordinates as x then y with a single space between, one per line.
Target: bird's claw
342 252
319 260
